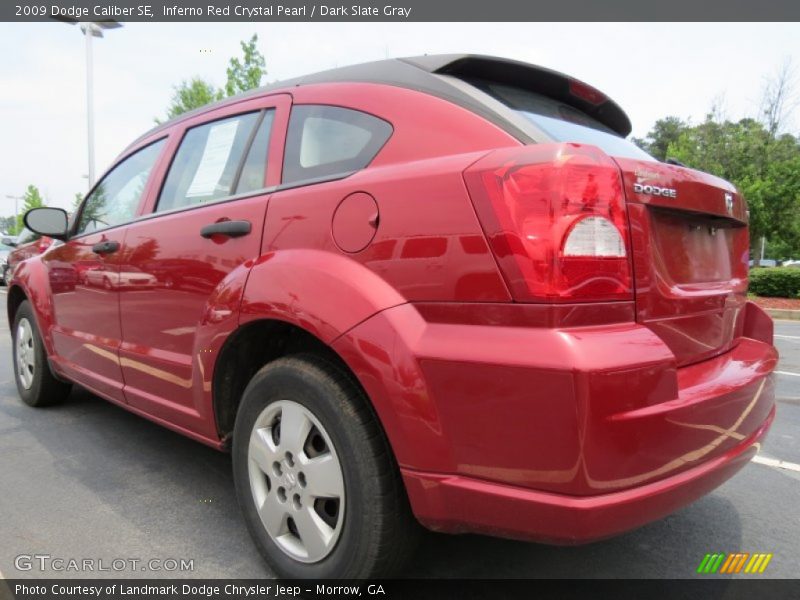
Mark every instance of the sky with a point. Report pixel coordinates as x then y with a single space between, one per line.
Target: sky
651 69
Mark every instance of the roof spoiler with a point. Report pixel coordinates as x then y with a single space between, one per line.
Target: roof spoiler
536 79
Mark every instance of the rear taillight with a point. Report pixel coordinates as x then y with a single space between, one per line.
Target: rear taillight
555 218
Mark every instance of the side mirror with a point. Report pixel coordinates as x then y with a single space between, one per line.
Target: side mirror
48 221
7 241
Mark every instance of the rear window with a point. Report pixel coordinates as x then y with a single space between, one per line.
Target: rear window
562 122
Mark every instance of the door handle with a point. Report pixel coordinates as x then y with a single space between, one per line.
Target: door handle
105 247
226 228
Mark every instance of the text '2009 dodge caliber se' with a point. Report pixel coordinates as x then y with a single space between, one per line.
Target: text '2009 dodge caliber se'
442 290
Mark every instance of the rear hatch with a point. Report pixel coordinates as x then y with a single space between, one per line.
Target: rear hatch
688 229
690 255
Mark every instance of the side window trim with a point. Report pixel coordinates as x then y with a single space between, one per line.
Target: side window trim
246 151
270 189
244 195
72 234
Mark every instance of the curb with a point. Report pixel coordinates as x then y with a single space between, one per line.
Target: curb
783 313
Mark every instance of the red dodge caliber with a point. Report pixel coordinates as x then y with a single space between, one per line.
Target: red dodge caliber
441 290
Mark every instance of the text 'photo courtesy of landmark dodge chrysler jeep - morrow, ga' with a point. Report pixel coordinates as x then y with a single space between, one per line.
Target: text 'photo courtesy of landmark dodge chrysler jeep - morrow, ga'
441 290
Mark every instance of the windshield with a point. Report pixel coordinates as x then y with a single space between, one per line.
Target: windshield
562 122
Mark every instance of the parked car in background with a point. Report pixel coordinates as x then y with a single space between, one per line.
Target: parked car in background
795 264
26 245
765 263
119 276
5 250
442 290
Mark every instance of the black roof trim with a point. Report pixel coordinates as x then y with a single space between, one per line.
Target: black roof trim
419 73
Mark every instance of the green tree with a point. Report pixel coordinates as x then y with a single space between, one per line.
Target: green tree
31 199
765 168
665 132
95 208
242 74
755 154
246 74
190 95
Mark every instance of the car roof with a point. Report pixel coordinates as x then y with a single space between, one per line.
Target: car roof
424 73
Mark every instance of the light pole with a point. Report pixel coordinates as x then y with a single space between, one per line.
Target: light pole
90 30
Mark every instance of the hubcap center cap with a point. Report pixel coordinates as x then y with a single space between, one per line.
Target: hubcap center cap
289 480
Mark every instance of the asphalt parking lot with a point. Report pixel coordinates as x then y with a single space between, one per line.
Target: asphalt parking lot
90 480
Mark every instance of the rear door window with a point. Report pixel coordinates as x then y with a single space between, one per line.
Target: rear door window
206 165
326 141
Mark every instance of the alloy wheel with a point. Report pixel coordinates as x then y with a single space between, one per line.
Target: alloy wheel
296 481
26 353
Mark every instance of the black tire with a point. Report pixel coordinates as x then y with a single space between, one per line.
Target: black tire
378 532
45 389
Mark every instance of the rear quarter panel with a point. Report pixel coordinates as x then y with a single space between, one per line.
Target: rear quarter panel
428 244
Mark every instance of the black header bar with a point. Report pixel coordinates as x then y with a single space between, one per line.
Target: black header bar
403 10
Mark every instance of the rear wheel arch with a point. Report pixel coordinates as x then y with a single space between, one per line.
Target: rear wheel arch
251 347
273 325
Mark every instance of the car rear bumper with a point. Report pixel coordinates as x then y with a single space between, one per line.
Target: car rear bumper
457 504
507 423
